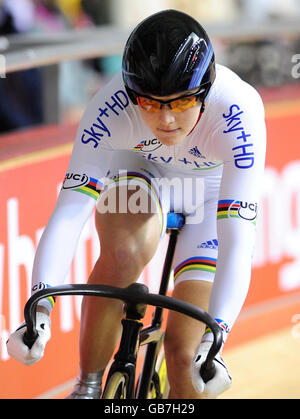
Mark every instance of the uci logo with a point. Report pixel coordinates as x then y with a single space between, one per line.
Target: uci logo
247 210
75 180
39 286
148 145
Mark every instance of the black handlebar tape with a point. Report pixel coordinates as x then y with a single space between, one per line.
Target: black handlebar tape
207 373
29 339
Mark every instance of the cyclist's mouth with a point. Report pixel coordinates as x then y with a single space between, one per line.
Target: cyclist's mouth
168 131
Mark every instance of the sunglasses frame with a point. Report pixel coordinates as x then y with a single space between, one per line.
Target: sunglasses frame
201 91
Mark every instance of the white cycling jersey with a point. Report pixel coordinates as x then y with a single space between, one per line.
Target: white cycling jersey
223 156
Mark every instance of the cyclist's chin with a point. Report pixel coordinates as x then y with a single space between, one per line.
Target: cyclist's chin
170 138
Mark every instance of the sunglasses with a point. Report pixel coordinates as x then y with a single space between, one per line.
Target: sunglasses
180 104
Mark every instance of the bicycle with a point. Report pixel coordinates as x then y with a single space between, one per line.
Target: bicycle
121 378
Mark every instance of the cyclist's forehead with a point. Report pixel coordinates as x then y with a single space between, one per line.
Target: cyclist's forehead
175 96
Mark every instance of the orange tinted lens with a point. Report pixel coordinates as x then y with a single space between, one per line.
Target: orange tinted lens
147 104
178 105
183 103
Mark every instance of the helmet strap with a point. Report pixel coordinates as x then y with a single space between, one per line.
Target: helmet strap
202 109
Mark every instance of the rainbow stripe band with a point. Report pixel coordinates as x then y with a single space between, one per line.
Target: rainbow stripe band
225 328
148 183
92 188
196 263
51 300
228 208
139 146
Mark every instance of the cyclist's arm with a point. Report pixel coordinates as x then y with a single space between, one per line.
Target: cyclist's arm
106 121
59 241
240 139
100 126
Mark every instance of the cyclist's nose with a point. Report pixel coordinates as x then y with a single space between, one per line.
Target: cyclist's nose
166 115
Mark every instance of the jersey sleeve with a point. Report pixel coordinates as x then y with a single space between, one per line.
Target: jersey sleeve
240 143
89 163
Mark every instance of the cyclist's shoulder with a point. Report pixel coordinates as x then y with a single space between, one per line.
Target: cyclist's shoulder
234 112
109 116
110 100
229 88
112 84
111 96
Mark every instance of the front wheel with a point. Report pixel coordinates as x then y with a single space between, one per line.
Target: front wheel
116 386
159 386
160 379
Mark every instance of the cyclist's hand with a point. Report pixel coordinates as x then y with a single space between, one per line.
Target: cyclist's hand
17 349
219 383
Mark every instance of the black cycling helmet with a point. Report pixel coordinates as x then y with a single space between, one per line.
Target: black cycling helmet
168 53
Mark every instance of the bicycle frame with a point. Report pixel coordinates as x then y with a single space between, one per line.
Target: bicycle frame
155 328
136 298
133 336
